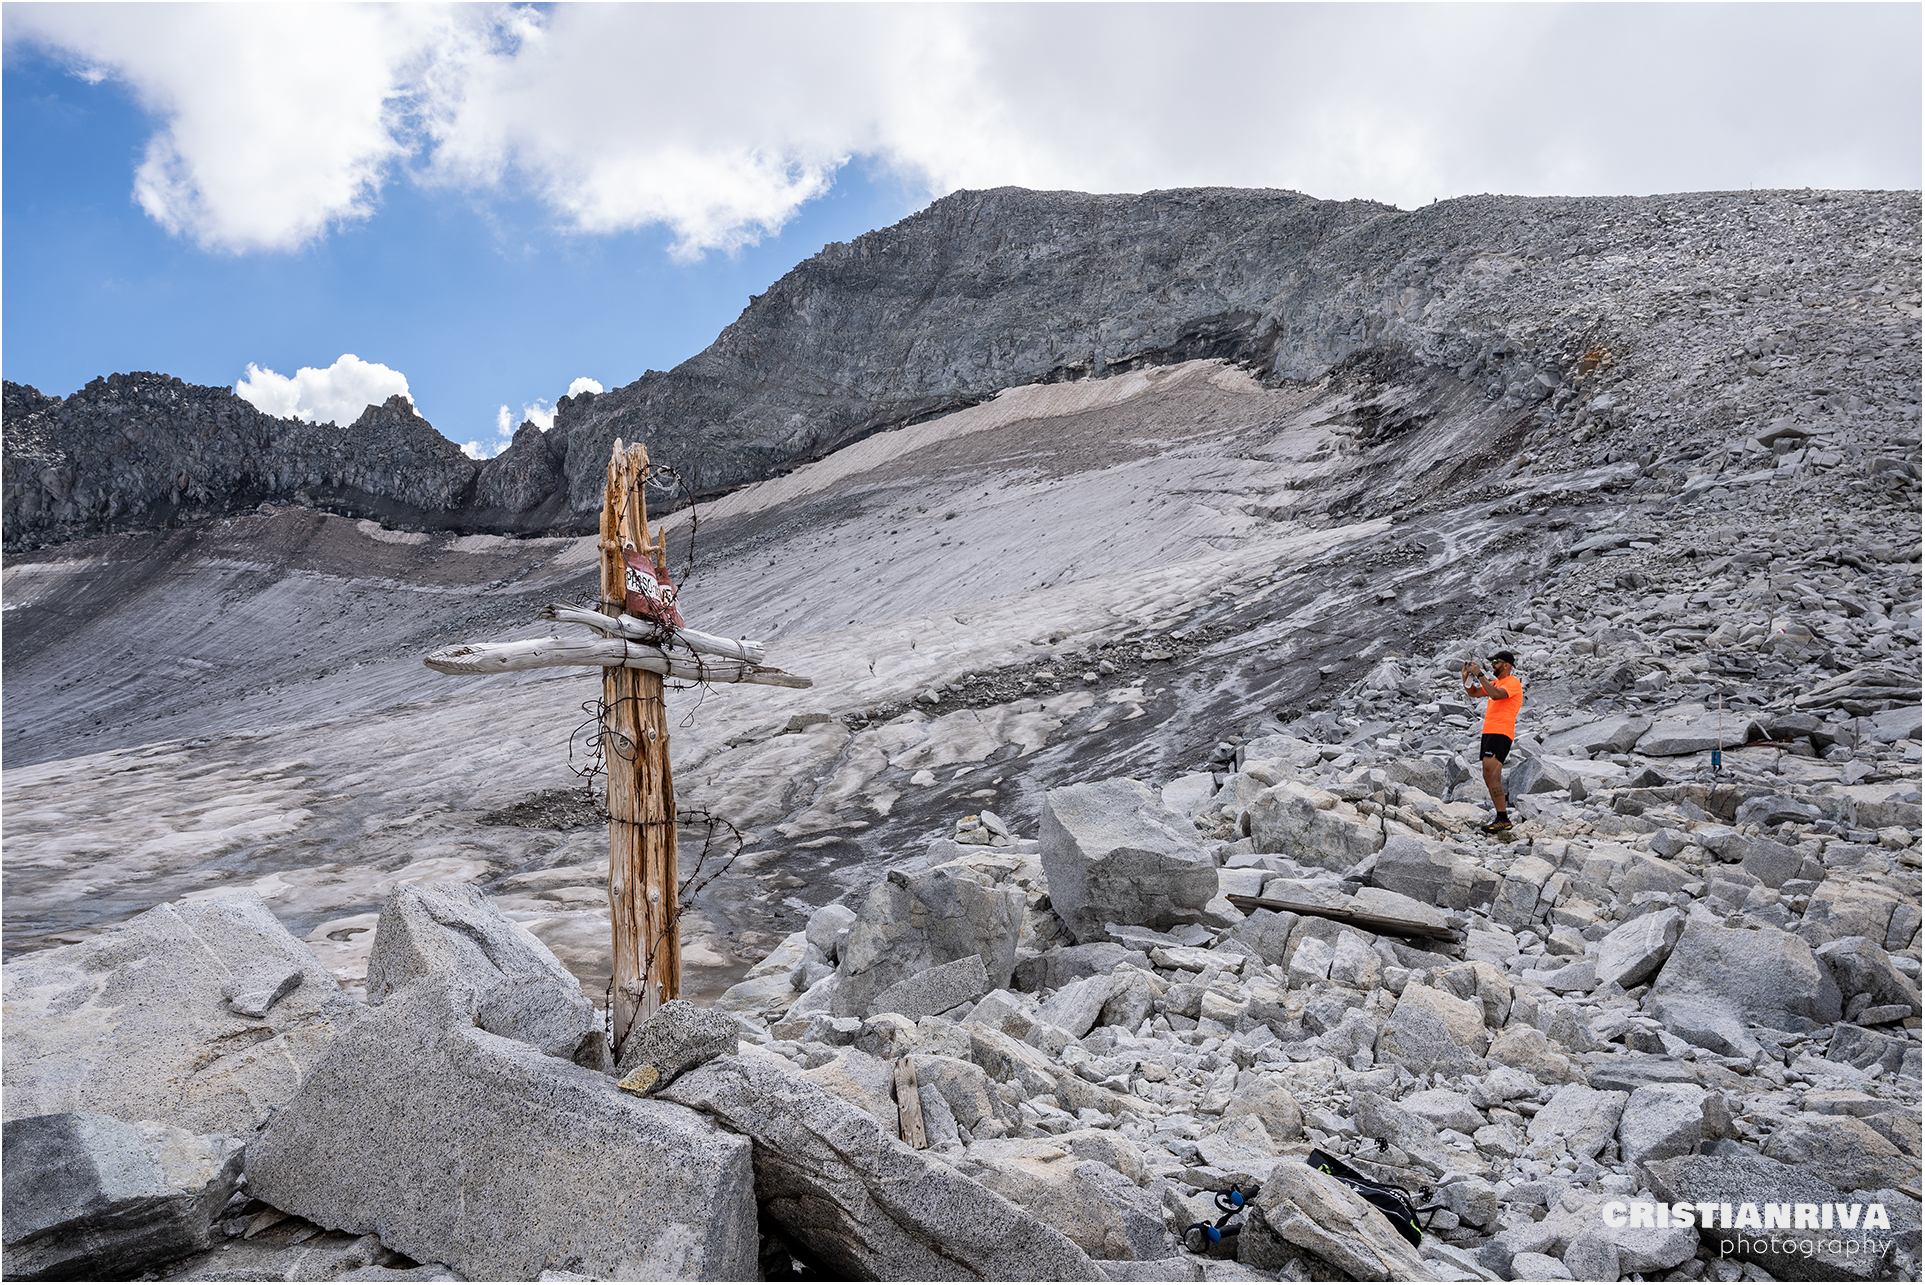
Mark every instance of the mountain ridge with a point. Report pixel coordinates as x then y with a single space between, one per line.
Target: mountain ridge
1524 299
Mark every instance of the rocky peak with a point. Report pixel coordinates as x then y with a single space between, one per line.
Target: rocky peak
1601 326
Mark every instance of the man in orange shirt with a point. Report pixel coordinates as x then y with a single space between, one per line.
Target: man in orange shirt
1505 696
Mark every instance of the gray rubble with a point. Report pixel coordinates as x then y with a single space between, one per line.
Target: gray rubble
1660 967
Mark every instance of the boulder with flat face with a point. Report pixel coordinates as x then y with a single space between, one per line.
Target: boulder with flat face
676 1037
459 1146
1861 966
1632 953
1841 1149
1614 735
1578 1119
1314 1211
1430 873
1107 1215
912 922
1661 1121
1311 826
453 930
1735 1178
91 1197
858 1200
935 990
1762 975
1114 854
136 1023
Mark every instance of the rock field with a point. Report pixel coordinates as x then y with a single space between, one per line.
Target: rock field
1098 661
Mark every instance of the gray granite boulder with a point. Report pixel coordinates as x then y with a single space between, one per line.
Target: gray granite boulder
1431 1029
1869 1050
1614 735
1058 967
1114 854
1267 932
458 1146
828 927
294 1249
1311 826
1430 873
858 1200
1661 1121
452 930
1632 953
676 1037
1268 1098
135 1023
1763 975
935 990
911 922
1740 1177
1861 966
1841 1149
1697 732
1709 1023
1076 1007
1108 1216
91 1197
1315 1212
1771 862
1577 1119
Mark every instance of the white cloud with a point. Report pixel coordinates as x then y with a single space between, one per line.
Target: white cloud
334 394
719 121
277 121
538 412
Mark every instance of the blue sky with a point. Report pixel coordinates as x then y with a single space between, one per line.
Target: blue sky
492 201
479 303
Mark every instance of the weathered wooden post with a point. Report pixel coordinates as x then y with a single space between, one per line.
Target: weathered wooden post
642 878
634 655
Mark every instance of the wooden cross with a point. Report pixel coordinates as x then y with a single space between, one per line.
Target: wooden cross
642 879
635 655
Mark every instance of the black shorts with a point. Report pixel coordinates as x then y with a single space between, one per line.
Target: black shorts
1494 746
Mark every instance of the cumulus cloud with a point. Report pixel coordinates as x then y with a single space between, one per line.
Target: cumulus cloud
276 121
334 394
718 122
584 385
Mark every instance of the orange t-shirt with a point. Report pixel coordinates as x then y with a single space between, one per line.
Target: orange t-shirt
1500 715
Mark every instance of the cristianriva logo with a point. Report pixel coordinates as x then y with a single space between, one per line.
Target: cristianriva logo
1765 1216
1761 1229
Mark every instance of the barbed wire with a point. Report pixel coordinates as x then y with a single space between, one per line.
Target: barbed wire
722 841
648 479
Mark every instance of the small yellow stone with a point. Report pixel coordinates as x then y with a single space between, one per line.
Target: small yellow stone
640 1080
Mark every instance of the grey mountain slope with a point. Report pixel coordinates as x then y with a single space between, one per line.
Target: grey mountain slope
241 701
1781 292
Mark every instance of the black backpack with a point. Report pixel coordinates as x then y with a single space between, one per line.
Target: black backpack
1394 1202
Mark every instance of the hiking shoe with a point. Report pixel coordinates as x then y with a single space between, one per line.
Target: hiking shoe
1498 827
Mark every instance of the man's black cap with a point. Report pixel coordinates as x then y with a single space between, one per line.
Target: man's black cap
1507 658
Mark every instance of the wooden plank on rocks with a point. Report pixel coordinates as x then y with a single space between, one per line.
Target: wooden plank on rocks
1354 918
909 1104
